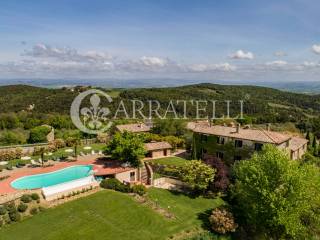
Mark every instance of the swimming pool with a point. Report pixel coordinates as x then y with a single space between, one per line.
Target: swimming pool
52 178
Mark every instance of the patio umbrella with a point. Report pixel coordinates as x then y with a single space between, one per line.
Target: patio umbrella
69 150
87 148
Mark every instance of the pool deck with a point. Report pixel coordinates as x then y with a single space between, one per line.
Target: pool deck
98 167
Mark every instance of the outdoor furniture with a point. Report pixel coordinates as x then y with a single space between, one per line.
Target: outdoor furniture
100 152
82 154
93 152
34 163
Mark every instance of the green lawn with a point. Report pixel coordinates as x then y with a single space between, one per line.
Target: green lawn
170 161
112 215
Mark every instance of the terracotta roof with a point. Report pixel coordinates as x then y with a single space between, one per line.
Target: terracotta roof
157 146
296 143
258 135
134 127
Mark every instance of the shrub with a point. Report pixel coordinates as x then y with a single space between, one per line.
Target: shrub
26 198
39 134
123 188
222 221
110 183
42 209
3 210
22 207
34 211
35 196
114 184
11 207
15 216
139 189
1 222
6 219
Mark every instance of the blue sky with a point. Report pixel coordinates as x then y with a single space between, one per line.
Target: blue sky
275 40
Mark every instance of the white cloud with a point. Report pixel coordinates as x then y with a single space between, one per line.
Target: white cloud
310 64
154 61
48 61
277 63
65 54
211 67
316 48
280 54
240 54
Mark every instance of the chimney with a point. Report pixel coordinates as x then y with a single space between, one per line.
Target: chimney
238 128
268 127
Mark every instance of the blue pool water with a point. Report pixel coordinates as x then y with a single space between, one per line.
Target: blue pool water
52 178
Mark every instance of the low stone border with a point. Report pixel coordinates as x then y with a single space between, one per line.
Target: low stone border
60 201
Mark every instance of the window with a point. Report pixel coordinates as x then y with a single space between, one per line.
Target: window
204 138
258 146
237 158
132 176
219 155
238 143
220 140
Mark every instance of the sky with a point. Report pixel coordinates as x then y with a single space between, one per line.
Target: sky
274 40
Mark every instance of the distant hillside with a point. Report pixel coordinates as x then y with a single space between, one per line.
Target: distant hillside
309 87
263 103
15 98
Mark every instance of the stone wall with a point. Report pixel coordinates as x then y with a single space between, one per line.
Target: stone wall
169 183
27 149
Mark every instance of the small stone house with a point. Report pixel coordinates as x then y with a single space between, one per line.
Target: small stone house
158 149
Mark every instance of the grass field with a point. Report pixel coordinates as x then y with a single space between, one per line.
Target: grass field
170 161
113 215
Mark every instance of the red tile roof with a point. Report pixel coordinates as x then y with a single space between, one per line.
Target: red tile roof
258 135
135 127
296 143
157 146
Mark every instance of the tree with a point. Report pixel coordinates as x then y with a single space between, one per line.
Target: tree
194 154
275 195
221 179
315 146
39 134
197 174
10 137
127 147
167 127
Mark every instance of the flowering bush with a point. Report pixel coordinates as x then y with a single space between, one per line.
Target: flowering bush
7 155
222 221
